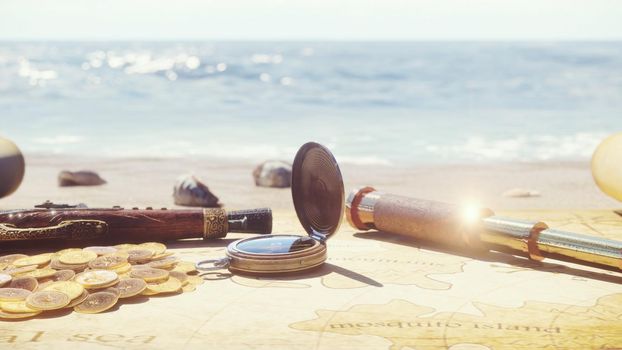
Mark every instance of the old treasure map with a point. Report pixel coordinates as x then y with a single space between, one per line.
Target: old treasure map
376 291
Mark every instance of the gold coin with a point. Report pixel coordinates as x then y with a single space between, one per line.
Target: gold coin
71 288
96 278
189 288
79 299
42 286
13 294
4 279
115 282
25 282
47 300
114 290
167 263
13 315
125 247
121 253
150 274
8 259
185 267
100 250
131 287
57 265
107 262
124 275
77 257
196 280
139 255
169 286
39 259
19 270
16 307
63 275
96 302
63 251
155 247
123 268
182 277
140 266
39 273
161 256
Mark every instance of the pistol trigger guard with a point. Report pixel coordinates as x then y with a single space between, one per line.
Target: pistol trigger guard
70 229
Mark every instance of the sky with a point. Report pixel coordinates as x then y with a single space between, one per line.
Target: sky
310 20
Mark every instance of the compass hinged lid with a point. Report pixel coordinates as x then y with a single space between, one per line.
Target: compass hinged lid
317 190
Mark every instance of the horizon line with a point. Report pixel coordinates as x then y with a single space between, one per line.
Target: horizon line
314 40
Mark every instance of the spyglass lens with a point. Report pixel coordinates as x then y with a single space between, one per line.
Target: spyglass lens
278 244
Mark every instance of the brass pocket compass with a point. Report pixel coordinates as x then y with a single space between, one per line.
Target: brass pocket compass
318 195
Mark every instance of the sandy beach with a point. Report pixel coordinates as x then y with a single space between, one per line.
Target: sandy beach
145 182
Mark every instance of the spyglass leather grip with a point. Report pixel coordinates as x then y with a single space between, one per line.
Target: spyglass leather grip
427 220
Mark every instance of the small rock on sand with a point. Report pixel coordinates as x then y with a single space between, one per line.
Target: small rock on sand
521 193
273 173
190 191
79 178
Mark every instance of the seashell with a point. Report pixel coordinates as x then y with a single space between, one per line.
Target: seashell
520 193
273 173
607 166
79 178
11 167
190 191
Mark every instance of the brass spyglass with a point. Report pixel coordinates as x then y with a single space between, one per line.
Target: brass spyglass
479 228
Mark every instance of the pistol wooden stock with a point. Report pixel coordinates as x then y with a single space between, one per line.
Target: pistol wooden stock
134 225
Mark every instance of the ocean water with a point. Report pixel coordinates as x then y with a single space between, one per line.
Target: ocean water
371 103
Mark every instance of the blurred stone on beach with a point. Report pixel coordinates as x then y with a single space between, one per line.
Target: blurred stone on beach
191 192
79 178
273 173
520 193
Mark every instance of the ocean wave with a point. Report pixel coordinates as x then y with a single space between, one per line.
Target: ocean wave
36 77
382 104
522 148
365 160
416 75
58 140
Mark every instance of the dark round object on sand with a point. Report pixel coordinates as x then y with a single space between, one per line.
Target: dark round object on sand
12 167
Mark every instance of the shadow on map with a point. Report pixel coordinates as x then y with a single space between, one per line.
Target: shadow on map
320 271
492 256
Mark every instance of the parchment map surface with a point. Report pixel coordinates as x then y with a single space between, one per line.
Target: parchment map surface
376 291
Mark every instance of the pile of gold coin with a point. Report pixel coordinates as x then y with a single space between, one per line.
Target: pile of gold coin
90 280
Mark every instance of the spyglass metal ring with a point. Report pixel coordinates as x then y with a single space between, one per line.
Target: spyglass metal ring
318 195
